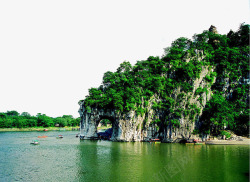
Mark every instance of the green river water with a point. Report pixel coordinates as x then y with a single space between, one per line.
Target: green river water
70 159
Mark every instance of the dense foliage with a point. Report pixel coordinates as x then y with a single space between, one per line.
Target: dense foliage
226 56
12 119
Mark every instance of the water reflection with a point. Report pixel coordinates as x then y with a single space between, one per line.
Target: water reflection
70 159
112 161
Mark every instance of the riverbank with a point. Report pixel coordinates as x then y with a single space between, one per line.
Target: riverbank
47 128
243 141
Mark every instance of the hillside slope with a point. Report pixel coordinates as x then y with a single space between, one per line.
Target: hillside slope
199 86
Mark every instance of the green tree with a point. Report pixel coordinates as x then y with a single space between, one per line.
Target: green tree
26 114
12 113
45 121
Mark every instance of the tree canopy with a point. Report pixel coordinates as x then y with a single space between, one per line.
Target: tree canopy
131 87
12 119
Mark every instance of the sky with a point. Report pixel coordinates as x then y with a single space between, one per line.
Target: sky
53 51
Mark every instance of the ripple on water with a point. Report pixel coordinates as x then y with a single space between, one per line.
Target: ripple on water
70 159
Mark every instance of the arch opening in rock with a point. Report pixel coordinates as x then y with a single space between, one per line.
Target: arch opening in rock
105 129
91 118
105 123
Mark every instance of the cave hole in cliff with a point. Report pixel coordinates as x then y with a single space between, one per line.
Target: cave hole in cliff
105 123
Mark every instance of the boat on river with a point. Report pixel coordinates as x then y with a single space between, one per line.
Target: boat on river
59 136
34 142
189 143
42 136
155 140
198 142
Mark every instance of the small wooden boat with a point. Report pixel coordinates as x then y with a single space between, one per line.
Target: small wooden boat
199 143
189 143
42 136
35 142
45 130
154 140
59 136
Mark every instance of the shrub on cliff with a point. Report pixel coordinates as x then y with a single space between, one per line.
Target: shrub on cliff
131 87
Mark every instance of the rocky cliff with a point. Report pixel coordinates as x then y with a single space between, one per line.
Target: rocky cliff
135 127
165 98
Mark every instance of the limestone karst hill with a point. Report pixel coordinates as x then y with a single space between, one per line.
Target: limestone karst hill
199 86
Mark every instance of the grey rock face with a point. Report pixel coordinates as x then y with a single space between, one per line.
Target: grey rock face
213 29
125 127
133 127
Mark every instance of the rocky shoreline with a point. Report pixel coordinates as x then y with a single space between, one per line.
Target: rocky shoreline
241 141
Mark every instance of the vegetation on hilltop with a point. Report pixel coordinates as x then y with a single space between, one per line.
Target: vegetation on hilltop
226 56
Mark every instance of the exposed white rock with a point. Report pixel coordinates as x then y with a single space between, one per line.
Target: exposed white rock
133 127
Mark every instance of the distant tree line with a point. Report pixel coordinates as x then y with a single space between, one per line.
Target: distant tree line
13 119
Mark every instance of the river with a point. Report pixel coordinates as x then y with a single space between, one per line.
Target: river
69 159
